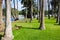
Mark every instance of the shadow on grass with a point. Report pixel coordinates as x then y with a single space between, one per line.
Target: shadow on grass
19 27
0 37
30 28
57 24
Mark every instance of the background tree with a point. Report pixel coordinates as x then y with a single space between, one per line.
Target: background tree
29 4
48 9
42 24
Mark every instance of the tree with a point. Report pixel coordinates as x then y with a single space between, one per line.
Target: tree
59 13
31 10
17 9
42 24
1 22
26 14
55 8
29 5
48 9
8 29
14 14
39 9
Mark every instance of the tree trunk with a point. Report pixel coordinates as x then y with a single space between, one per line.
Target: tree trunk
26 14
17 10
13 14
42 24
38 9
48 9
52 11
59 13
31 11
57 18
1 22
8 31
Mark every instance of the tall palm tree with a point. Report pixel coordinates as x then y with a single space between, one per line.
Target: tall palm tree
38 8
48 9
1 22
17 9
59 13
14 14
31 10
8 31
26 14
26 7
29 4
42 24
55 7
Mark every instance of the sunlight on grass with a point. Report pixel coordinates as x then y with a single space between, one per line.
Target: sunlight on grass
29 31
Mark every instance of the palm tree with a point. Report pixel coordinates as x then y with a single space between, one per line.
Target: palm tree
55 7
42 24
59 13
29 5
26 14
1 22
8 29
38 8
17 9
48 9
31 10
14 14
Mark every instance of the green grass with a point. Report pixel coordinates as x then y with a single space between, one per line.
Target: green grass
29 31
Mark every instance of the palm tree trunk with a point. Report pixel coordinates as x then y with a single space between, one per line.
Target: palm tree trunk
42 24
26 14
48 10
31 11
1 22
59 14
38 9
14 15
8 32
17 10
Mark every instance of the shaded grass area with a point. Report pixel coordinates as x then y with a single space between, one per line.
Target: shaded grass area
30 31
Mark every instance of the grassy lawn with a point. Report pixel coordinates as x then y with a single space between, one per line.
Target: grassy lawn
29 31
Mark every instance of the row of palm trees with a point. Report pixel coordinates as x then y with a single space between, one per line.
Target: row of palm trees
8 35
56 9
8 28
29 4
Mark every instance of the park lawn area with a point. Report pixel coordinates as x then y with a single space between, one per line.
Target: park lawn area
30 31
